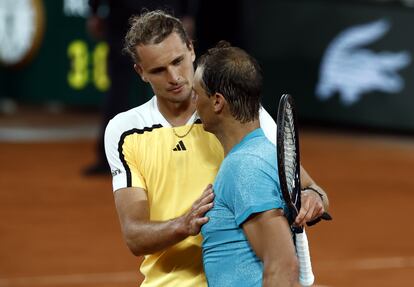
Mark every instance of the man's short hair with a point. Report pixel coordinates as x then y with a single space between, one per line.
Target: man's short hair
236 75
152 27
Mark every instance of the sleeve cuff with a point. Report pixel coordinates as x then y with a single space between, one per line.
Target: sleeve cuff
256 209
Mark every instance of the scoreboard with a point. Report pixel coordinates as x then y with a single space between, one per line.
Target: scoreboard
47 56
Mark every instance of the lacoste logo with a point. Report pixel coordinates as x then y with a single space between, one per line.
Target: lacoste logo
351 70
180 146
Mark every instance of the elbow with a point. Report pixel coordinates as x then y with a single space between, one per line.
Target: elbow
133 243
135 248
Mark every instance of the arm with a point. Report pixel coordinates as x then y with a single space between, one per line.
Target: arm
313 204
271 239
144 236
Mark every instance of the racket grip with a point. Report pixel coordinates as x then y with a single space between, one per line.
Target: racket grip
306 277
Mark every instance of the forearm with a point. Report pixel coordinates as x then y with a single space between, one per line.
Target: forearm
308 182
147 237
144 236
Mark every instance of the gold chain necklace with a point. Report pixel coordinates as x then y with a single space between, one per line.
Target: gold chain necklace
186 133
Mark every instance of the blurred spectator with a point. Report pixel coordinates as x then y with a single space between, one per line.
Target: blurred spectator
109 20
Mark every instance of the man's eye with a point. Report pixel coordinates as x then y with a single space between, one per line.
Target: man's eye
178 61
157 71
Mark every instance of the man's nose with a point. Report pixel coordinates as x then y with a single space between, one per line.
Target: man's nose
173 75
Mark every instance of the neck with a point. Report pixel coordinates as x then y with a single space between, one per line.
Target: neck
176 113
232 132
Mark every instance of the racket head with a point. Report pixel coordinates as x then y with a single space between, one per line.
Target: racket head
288 155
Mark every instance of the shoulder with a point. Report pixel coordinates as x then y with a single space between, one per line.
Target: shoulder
141 118
256 147
134 121
257 155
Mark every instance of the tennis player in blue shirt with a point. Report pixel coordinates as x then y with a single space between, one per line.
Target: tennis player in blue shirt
247 241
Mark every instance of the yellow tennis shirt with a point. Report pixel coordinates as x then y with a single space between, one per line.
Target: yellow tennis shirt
173 165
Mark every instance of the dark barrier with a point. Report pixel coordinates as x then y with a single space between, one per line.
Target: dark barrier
345 63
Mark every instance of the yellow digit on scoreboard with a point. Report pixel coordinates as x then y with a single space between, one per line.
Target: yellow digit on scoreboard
100 71
78 75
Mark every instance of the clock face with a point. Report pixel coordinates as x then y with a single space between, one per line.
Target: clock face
21 29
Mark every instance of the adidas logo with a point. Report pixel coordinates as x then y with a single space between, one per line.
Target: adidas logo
180 146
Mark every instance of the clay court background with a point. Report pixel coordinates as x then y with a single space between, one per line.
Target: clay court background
58 228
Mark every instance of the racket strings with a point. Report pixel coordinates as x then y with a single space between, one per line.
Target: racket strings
289 172
290 152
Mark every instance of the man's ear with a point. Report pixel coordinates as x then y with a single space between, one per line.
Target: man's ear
139 71
219 102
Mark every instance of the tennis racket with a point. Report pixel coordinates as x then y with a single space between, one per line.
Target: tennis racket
288 156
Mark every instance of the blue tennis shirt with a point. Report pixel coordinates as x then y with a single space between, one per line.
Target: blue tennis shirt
246 183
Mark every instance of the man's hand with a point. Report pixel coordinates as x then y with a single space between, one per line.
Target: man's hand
144 236
312 207
314 200
195 218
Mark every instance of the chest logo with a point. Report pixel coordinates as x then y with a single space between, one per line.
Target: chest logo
180 146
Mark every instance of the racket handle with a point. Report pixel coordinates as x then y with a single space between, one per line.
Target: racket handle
306 277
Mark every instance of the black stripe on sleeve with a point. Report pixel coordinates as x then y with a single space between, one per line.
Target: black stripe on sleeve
121 144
